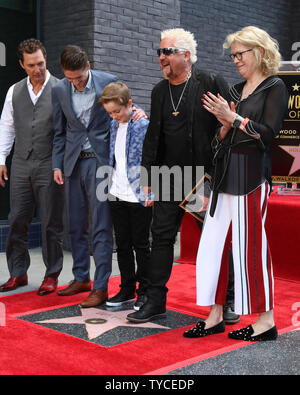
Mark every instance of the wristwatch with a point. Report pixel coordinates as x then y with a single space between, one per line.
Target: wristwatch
237 122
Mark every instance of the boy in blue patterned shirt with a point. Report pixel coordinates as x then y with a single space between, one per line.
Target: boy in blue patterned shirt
131 211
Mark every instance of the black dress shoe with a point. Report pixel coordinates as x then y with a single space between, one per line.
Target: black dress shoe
229 316
200 331
146 313
246 334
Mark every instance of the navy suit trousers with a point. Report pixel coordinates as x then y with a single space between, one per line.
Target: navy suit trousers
85 213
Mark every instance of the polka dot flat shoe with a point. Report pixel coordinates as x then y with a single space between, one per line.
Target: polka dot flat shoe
200 331
246 334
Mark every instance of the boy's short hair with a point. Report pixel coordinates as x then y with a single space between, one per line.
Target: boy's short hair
117 92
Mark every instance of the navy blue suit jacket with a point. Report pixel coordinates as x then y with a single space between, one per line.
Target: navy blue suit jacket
70 133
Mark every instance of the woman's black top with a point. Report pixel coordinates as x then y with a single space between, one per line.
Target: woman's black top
243 158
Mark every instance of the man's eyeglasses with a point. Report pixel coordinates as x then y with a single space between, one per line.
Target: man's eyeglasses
239 55
169 51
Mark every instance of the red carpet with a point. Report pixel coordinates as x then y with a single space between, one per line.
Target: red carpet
28 348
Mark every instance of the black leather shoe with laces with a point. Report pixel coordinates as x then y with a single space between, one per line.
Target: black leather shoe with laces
246 334
200 331
146 313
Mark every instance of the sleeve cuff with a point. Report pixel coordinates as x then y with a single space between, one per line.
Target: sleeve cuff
2 160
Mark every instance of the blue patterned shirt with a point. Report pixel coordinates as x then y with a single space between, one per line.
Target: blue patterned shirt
82 103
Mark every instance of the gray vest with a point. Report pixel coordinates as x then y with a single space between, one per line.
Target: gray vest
33 123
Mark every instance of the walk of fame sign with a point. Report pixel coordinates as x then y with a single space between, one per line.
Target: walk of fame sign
286 146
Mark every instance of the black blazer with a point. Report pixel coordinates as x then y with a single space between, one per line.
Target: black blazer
201 124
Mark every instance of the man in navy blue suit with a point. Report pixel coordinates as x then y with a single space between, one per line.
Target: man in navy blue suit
81 146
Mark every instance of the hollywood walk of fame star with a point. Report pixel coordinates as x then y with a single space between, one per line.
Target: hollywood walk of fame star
294 151
98 321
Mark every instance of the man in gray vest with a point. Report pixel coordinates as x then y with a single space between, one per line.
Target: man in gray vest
27 121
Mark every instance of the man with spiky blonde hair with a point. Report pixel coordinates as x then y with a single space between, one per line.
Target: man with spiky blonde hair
180 133
183 39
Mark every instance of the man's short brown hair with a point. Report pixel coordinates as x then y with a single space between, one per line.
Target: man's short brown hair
117 92
73 58
30 46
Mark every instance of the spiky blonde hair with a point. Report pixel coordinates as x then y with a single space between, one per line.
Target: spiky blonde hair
184 39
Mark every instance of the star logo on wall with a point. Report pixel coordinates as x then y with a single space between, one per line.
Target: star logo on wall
296 87
294 151
97 321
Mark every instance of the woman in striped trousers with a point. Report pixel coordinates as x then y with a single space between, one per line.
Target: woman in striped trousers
240 188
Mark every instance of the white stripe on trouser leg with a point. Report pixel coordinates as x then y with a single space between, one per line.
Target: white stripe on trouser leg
266 276
239 251
210 252
244 292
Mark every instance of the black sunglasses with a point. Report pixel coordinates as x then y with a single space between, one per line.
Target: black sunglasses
169 51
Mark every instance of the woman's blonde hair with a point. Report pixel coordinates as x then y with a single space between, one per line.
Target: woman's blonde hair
184 39
117 92
253 37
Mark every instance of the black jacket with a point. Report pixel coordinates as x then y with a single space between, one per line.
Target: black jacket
201 126
248 154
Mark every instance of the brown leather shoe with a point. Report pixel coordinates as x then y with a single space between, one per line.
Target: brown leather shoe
95 298
74 288
48 286
13 283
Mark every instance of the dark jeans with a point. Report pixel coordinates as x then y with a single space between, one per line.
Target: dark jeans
167 217
132 228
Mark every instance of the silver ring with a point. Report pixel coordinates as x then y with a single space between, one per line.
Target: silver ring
212 108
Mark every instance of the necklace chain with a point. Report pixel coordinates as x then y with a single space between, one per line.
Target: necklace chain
175 112
248 92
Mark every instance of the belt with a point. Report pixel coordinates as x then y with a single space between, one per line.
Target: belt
87 155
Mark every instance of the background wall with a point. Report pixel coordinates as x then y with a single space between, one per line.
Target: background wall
121 36
212 21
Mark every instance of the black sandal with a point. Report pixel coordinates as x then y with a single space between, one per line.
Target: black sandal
200 331
246 334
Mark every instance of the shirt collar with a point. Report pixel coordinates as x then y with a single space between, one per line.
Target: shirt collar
88 86
44 84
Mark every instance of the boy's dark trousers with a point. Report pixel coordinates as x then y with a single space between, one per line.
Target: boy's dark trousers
132 223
